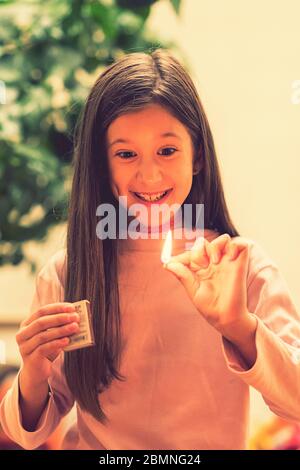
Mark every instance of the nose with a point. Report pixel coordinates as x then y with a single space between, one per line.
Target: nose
149 173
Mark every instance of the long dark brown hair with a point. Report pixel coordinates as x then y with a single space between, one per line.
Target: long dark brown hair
129 84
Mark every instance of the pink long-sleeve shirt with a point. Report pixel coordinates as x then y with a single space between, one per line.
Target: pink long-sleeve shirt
186 386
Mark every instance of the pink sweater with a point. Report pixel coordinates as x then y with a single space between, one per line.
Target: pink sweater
187 387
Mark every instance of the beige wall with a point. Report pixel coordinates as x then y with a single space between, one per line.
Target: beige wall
244 58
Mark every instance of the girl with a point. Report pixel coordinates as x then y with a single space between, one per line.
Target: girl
177 345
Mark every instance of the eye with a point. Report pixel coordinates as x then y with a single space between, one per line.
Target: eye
169 148
127 157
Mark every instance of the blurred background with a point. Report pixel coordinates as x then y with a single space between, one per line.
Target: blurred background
243 57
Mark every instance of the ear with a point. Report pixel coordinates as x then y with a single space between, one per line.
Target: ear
197 166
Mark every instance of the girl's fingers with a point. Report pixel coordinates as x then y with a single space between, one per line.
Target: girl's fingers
196 257
200 254
232 251
50 309
184 274
46 336
183 258
203 252
199 242
235 247
52 348
44 323
242 255
218 246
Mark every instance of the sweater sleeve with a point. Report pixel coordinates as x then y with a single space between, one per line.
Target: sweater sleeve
276 372
48 289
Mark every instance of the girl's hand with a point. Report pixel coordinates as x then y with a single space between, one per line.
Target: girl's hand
214 276
43 336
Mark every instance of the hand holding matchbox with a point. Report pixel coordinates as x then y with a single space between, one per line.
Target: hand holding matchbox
85 335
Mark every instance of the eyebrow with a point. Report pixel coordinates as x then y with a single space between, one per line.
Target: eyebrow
124 141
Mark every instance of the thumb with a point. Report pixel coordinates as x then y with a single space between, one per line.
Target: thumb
183 273
243 260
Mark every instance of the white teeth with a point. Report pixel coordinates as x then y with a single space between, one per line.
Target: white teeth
151 197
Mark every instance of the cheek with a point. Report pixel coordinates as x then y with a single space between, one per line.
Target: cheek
113 180
114 189
184 180
118 180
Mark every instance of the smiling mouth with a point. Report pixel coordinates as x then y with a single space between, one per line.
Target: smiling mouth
152 197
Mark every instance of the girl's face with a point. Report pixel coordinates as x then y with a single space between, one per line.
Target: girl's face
150 158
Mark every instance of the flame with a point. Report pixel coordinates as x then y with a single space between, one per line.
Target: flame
167 249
